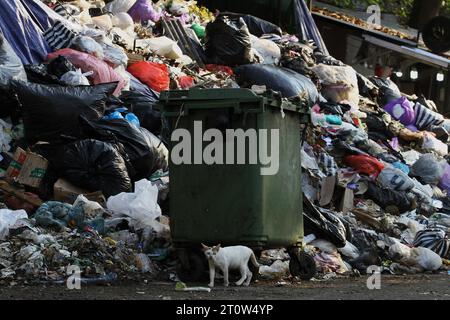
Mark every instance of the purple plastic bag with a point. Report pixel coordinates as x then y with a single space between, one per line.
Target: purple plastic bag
445 180
401 110
143 11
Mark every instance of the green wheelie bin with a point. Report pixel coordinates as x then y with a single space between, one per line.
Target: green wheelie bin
235 174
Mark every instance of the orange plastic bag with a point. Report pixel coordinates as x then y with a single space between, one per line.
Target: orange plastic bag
154 75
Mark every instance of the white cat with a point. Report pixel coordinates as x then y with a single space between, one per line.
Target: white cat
230 258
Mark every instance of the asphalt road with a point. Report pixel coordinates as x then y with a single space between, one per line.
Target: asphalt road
427 286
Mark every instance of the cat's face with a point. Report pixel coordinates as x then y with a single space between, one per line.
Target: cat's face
211 252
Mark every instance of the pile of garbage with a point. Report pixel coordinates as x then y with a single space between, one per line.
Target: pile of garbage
84 166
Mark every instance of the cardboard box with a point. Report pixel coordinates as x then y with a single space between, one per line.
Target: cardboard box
16 164
66 192
33 170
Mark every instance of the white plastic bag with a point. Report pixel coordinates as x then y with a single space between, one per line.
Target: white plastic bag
123 21
431 143
118 6
162 46
88 45
114 55
419 257
103 22
267 49
277 270
142 205
8 218
349 251
340 83
76 78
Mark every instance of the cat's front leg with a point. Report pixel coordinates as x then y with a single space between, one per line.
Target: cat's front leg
225 276
212 272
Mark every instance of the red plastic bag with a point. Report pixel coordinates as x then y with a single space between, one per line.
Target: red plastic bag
219 68
185 82
154 75
365 164
103 73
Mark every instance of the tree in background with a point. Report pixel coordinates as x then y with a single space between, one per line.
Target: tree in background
423 11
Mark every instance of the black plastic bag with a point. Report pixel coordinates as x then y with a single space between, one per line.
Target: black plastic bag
39 74
324 224
228 42
96 166
365 86
388 91
259 27
143 106
386 197
60 66
52 111
145 151
288 82
334 108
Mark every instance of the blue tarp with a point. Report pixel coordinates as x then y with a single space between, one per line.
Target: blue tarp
22 23
306 26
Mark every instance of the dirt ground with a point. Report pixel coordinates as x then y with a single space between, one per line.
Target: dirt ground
427 286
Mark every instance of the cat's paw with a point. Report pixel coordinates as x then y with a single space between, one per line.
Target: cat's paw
226 284
211 285
238 283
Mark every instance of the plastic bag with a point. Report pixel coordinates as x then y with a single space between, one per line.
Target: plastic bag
422 258
10 65
143 11
386 197
141 205
429 169
142 106
267 49
388 91
103 73
339 83
96 166
365 164
444 183
154 75
431 143
395 179
76 78
259 27
114 55
60 66
146 152
123 21
50 111
286 81
162 46
228 42
435 240
324 224
118 6
8 218
103 22
401 110
88 45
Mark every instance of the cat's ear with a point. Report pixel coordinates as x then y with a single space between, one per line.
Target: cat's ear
204 248
216 248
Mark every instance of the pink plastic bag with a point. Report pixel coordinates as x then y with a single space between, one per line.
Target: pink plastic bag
103 73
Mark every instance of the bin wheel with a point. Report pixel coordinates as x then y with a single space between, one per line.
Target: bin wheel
195 269
302 265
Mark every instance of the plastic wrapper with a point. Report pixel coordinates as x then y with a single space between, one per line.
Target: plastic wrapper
76 78
88 45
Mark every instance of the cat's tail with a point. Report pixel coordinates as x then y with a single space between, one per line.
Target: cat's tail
254 261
